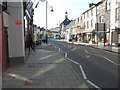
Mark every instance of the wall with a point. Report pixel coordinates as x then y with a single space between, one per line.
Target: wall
16 31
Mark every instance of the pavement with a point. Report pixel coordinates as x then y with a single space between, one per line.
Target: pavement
110 48
44 68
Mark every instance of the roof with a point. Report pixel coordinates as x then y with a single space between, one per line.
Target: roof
66 21
97 4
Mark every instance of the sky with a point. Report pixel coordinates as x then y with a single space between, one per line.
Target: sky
73 7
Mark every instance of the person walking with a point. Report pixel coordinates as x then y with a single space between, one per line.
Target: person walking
46 39
30 43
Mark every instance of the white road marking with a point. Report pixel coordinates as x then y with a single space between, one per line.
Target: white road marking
86 51
93 84
83 73
44 51
88 56
71 59
102 57
47 56
73 49
41 50
80 66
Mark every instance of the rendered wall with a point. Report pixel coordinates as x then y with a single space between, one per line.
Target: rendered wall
16 31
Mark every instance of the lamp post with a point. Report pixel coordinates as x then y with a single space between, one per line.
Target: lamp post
47 6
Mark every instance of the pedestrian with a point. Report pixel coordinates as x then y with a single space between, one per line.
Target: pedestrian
30 43
46 39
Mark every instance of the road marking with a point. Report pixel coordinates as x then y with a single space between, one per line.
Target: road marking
102 57
47 56
80 66
86 51
44 51
41 50
73 49
93 84
83 73
71 59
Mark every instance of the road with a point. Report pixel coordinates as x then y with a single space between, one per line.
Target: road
100 66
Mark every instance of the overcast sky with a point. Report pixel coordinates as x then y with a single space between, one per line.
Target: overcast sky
73 7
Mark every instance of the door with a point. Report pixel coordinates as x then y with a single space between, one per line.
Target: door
6 46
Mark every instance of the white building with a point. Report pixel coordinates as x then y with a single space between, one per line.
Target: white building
115 22
87 23
69 30
14 29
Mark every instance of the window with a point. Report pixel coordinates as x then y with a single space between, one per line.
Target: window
84 16
107 5
116 14
88 14
91 23
101 19
116 2
87 24
98 10
84 25
81 18
91 12
78 19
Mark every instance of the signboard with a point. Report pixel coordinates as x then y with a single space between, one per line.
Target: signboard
100 27
18 22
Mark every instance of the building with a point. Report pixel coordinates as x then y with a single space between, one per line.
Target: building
103 19
69 30
87 24
73 31
115 23
28 19
13 34
55 32
77 25
14 25
63 26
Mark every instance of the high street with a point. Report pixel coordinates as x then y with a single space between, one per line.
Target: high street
100 66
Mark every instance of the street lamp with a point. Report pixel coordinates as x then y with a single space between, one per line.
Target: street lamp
47 6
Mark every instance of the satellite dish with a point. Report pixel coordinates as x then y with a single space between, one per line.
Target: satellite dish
42 0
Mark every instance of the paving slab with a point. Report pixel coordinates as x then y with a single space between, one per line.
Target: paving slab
50 72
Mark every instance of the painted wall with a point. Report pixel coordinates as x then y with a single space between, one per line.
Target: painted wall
113 23
16 31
